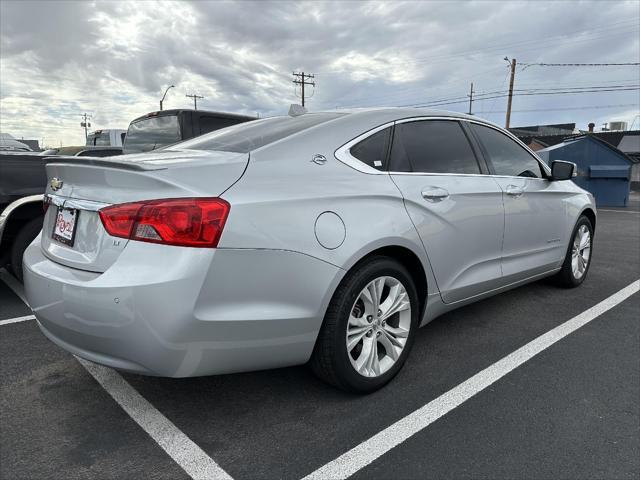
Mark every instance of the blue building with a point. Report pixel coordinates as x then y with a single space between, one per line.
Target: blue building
603 170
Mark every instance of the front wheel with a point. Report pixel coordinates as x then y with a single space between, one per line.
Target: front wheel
578 258
369 327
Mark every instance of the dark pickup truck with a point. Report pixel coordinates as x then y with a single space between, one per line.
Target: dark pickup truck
22 183
165 127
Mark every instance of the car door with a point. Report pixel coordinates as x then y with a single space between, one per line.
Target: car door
456 208
535 233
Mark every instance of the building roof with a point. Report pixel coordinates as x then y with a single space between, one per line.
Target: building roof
627 142
630 143
553 129
593 138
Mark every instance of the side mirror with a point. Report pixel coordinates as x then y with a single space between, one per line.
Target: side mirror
561 170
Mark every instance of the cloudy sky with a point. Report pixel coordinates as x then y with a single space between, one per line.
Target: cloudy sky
114 59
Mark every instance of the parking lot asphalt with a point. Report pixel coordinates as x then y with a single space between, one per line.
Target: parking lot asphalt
570 412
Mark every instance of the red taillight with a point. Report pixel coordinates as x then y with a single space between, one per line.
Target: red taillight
187 222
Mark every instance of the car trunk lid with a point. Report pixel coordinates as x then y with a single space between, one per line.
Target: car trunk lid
79 187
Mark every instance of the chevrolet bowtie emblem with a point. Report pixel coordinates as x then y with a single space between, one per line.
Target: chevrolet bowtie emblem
56 184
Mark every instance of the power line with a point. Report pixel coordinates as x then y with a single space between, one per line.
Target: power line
301 79
626 64
501 87
587 107
596 88
439 104
477 96
504 93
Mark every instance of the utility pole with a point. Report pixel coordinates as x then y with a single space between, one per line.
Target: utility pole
513 75
86 124
195 100
301 79
470 98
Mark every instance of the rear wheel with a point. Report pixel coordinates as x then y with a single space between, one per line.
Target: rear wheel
578 258
25 236
369 327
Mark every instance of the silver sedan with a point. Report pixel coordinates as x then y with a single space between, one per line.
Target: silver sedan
326 238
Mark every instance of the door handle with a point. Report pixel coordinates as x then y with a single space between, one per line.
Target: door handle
434 194
514 190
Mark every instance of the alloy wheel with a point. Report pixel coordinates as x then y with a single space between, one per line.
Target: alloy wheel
378 326
581 252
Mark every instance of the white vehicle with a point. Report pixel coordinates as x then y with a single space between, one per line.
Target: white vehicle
113 137
9 144
326 238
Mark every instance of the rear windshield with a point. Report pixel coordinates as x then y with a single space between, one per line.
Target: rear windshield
249 136
152 133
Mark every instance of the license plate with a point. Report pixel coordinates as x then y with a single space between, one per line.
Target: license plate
64 230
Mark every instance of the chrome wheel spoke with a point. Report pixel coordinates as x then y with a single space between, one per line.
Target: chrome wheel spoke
396 301
372 294
584 242
355 338
396 332
373 363
392 345
365 354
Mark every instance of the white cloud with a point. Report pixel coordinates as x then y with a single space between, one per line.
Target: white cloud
114 59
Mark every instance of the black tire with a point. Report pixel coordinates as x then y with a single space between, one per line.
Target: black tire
565 277
330 360
20 243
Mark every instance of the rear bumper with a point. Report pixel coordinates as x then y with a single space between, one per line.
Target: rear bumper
180 312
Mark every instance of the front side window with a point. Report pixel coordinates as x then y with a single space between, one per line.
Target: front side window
373 150
432 146
506 156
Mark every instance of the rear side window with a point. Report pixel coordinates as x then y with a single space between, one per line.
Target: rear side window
373 150
102 140
245 137
432 146
506 156
152 133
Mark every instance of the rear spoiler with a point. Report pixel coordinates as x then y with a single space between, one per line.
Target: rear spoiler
100 162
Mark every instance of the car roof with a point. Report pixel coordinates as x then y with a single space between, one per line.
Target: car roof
387 114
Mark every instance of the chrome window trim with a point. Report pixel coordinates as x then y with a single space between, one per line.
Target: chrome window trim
343 153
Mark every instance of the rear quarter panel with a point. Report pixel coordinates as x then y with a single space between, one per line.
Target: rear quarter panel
276 203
